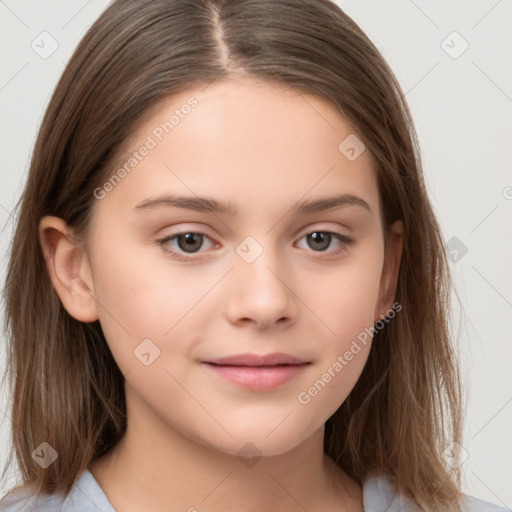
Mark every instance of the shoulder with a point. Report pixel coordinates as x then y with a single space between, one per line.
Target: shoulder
85 496
26 500
472 504
379 495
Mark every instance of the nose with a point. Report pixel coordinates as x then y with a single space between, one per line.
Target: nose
262 291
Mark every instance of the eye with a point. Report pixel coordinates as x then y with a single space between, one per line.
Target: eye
320 240
187 241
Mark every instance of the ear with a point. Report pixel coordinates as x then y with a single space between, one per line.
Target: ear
68 268
390 270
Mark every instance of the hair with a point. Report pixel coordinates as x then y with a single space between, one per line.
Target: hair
65 385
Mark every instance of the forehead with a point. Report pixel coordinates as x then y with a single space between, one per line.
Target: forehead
257 145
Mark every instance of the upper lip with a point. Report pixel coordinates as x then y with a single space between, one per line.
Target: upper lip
256 360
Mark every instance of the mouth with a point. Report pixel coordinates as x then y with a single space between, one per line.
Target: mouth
257 372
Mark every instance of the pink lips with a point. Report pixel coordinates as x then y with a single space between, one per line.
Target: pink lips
257 372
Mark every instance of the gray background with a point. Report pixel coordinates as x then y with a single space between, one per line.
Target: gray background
462 105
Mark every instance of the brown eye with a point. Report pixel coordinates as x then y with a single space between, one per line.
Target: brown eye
319 241
187 242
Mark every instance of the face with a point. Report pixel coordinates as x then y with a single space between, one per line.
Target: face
284 290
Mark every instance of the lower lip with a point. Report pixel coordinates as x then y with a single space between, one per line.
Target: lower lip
257 378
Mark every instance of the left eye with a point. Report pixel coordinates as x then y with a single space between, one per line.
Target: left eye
324 239
190 242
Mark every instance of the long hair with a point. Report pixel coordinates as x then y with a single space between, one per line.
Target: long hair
65 385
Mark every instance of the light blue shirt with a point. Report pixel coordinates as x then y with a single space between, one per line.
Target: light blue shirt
87 496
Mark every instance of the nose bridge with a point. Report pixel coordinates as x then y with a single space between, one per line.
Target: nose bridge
260 259
261 292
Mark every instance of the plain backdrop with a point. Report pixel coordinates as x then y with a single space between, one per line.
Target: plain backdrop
453 61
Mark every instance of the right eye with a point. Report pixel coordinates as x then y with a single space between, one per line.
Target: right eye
187 241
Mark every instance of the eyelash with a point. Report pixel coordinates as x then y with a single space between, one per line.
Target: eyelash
345 240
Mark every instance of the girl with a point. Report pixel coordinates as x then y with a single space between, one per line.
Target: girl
176 339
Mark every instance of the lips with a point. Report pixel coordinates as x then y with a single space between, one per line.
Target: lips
257 360
257 372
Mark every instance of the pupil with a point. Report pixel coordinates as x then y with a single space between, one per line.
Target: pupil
190 241
317 237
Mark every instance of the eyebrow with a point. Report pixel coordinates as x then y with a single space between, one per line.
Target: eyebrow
207 204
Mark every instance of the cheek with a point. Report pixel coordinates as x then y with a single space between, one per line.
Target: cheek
139 300
143 296
139 288
322 396
345 304
344 348
344 300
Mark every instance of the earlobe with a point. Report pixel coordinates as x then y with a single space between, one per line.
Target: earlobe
390 271
68 268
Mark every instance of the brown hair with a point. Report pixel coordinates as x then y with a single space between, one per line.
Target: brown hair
66 387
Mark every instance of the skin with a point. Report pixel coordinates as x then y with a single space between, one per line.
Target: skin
263 147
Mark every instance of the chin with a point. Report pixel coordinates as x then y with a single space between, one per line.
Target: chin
259 440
